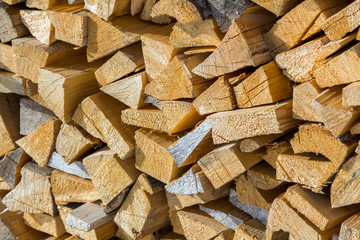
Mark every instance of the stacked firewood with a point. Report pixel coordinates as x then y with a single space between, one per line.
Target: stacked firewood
179 119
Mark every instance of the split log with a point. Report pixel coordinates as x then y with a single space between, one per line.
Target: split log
172 236
177 81
136 6
278 7
350 228
263 176
40 143
337 118
108 10
68 188
33 193
239 124
11 25
99 115
127 60
144 211
45 223
349 94
225 163
12 2
153 101
317 139
242 46
273 150
7 60
146 14
73 143
11 83
355 129
197 50
10 166
76 168
254 143
252 230
43 4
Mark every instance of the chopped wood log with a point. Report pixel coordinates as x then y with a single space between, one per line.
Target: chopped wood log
33 193
76 168
349 94
127 60
317 139
239 124
11 25
172 236
146 14
288 31
300 63
196 34
252 230
45 223
152 155
129 90
350 228
10 166
144 211
225 163
12 2
136 6
263 176
7 61
278 7
33 115
341 69
337 118
217 98
110 174
39 25
73 143
273 150
343 22
43 4
68 188
194 145
11 83
312 171
153 101
105 38
40 143
266 85
254 143
108 10
175 116
197 50
177 81
242 46
99 115
355 129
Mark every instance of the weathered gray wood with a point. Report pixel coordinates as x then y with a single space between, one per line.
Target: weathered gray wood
188 184
153 101
76 168
117 201
10 83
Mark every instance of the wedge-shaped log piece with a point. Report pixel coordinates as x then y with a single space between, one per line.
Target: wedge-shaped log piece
68 188
73 143
252 230
105 38
350 96
242 46
144 211
146 13
76 168
196 34
99 115
7 60
107 10
194 145
291 28
33 193
125 61
45 223
255 143
197 50
44 4
312 171
11 83
266 85
273 150
350 228
153 157
239 124
40 143
10 166
12 2
173 236
278 7
225 163
129 90
341 69
337 118
175 116
177 81
263 176
317 139
110 174
11 25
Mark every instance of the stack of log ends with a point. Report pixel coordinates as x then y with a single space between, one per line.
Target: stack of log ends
263 176
40 143
194 145
239 124
33 193
100 116
350 228
68 188
11 26
144 211
43 4
315 138
76 168
254 143
45 223
176 81
73 143
7 60
9 122
252 230
310 170
349 96
110 174
227 162
10 166
33 115
242 46
328 106
108 10
266 85
124 62
278 7
11 83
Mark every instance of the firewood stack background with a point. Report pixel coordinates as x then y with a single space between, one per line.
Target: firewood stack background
179 119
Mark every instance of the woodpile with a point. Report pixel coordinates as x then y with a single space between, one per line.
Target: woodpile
179 119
